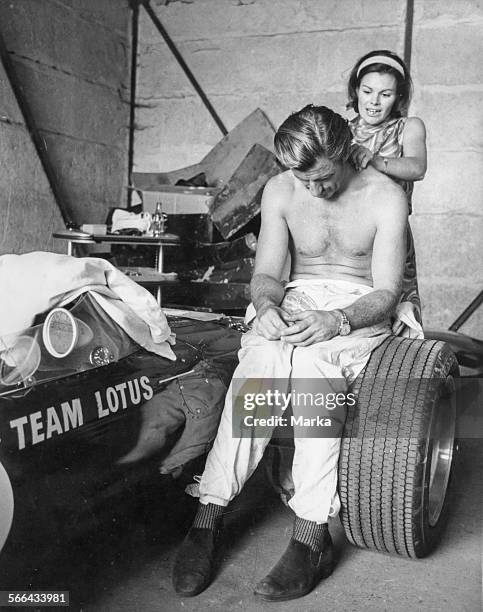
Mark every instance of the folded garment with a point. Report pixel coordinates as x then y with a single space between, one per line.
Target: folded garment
123 219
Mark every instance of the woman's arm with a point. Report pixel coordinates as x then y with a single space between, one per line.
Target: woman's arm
412 165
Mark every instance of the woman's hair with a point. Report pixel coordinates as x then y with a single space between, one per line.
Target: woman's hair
309 134
398 69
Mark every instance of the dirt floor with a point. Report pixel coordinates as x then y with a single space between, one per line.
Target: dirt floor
127 567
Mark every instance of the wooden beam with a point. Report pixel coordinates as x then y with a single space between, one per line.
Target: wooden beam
35 135
132 94
408 33
179 58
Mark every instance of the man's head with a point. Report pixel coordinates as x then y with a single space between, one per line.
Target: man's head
315 144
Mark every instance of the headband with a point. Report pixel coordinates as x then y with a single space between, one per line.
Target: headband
381 59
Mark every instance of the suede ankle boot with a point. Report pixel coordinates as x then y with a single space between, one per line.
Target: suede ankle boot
195 560
308 559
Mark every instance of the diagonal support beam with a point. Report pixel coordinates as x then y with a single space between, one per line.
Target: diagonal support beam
132 102
179 58
35 135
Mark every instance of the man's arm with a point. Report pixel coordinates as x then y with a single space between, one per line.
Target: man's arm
272 249
388 256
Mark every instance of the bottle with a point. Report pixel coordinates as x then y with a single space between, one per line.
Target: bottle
157 221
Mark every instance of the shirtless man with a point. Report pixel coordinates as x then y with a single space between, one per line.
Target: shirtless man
345 233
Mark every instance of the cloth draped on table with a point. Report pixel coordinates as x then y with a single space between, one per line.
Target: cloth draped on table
36 282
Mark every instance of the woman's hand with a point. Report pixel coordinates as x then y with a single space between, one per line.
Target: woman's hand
310 326
360 156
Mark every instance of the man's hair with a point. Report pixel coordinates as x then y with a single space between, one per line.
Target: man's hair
404 84
311 133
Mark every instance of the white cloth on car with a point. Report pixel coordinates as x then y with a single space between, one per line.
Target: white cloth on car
33 283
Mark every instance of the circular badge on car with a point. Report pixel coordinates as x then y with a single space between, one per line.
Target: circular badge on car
60 332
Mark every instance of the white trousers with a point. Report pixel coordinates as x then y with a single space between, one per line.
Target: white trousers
338 361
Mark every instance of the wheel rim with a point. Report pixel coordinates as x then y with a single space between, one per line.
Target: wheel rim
442 435
6 505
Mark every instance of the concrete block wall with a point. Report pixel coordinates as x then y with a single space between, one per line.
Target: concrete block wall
71 58
27 209
274 54
448 220
281 54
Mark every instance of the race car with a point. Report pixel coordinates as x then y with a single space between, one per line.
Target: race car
86 413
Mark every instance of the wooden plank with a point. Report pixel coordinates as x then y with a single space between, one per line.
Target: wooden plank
220 163
239 201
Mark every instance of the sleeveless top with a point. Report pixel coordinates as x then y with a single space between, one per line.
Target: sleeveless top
386 140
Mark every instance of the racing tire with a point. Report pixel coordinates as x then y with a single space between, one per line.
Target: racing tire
397 449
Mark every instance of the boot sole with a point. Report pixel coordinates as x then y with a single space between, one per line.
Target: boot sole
290 596
193 592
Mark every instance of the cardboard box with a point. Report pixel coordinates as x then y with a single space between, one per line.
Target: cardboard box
188 210
98 229
179 200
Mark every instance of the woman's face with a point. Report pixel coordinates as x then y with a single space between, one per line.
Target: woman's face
376 96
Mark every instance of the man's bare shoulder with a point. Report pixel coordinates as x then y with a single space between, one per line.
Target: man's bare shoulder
279 190
281 184
385 196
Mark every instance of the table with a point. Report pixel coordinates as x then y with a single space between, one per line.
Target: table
73 237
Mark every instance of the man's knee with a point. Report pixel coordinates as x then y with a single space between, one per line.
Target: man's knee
314 362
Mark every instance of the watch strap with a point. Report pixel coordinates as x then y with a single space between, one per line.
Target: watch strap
344 323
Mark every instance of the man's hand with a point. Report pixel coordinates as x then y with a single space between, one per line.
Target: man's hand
361 156
310 326
270 322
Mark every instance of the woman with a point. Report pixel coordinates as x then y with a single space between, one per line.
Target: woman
379 91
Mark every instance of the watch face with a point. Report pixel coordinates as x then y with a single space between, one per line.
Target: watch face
344 325
344 329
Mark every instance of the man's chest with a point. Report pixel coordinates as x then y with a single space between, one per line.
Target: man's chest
318 230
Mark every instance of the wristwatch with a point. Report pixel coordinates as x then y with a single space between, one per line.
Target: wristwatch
344 323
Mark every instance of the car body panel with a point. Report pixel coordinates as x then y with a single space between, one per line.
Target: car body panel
71 444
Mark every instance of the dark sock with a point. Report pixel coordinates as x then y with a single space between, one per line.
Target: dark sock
208 516
310 533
